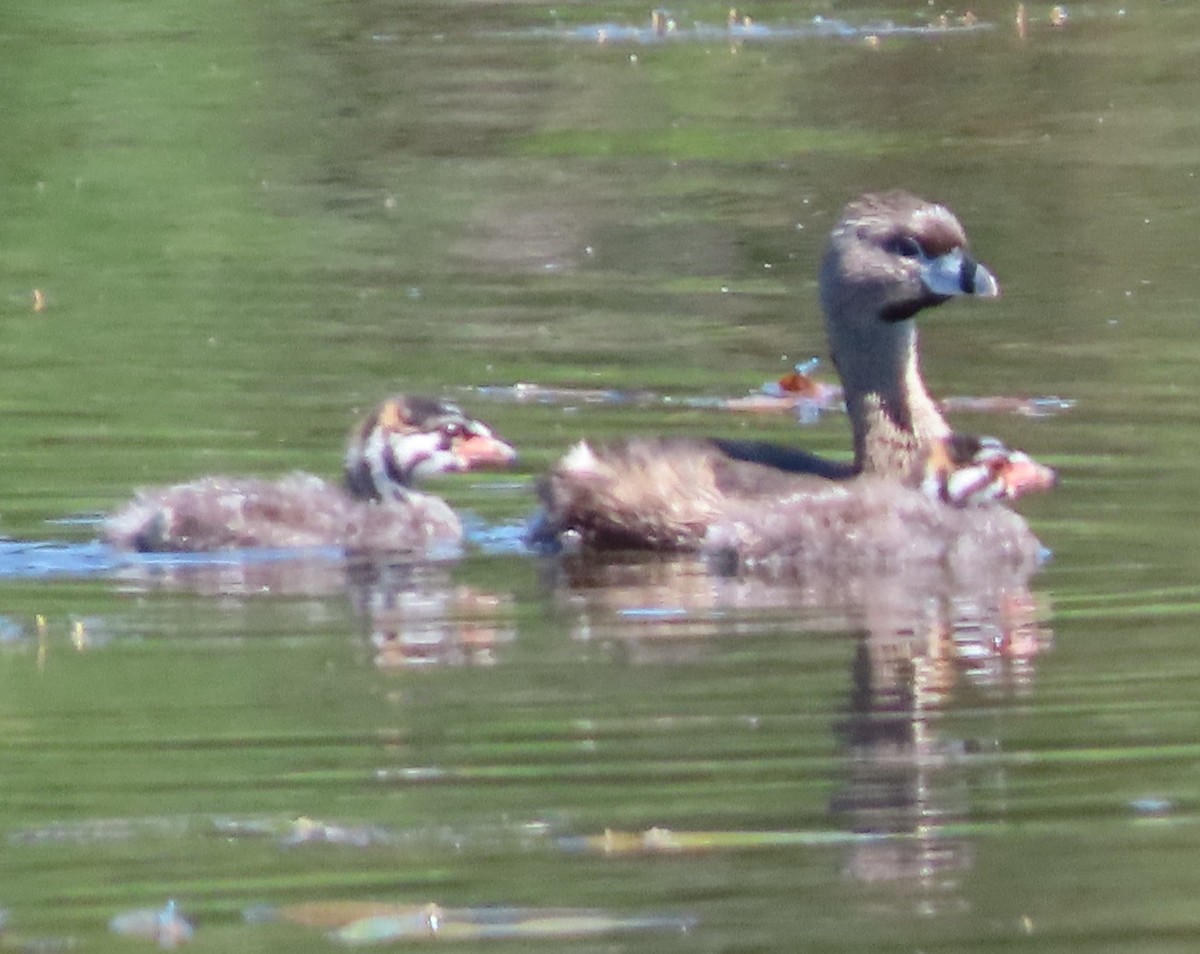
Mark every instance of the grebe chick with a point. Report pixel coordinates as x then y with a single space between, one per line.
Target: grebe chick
405 439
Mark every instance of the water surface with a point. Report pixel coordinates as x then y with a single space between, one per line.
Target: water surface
244 226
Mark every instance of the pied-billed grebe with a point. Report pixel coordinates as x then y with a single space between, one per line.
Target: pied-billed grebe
889 257
404 439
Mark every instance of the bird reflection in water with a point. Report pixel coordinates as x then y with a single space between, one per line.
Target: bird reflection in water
418 616
664 608
907 783
904 783
414 613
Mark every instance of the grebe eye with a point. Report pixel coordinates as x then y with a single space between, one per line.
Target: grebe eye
906 247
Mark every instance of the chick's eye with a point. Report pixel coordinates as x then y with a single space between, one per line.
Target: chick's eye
905 246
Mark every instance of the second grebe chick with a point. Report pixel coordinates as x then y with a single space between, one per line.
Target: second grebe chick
405 439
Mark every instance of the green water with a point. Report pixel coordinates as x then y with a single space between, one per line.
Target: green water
249 222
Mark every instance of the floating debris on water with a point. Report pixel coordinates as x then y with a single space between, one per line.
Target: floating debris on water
1058 18
378 922
304 830
1152 807
381 929
663 27
100 830
526 392
165 926
798 392
308 831
655 841
799 380
286 832
999 404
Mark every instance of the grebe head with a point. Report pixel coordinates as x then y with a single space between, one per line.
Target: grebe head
408 438
890 256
